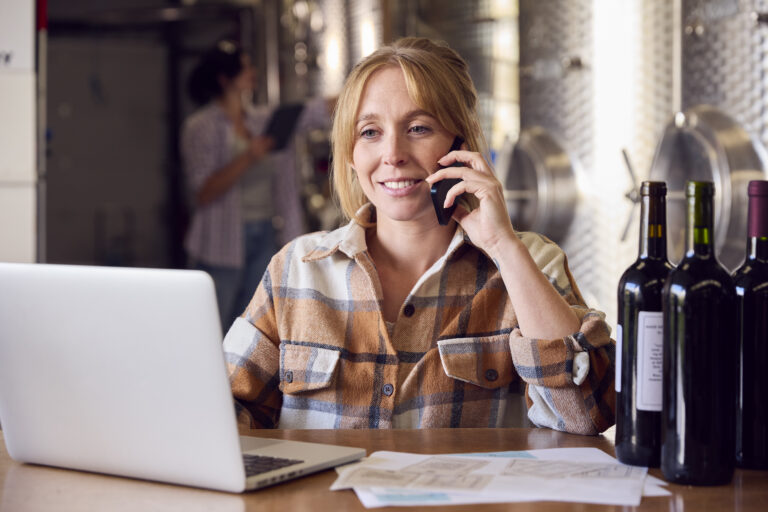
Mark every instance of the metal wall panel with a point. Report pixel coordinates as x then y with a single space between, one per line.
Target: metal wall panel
558 95
566 67
656 71
724 64
313 49
555 93
328 42
365 23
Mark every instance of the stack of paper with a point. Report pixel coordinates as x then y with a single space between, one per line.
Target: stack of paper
585 475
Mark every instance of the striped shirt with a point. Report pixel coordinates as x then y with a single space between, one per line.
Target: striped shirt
313 350
215 235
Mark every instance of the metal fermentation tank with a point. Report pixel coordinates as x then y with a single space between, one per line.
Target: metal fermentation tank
605 78
597 81
556 111
720 134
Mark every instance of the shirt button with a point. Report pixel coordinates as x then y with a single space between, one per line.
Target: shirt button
409 310
289 376
388 389
491 375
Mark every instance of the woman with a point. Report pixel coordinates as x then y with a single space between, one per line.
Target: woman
242 190
397 321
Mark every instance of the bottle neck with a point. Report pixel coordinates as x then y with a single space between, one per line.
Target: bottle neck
653 228
757 228
757 248
700 227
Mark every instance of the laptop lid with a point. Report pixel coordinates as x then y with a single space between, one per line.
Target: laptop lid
117 371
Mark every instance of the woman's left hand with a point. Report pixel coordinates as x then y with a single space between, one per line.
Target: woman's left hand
488 224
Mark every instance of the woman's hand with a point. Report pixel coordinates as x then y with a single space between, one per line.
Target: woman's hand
541 312
260 146
488 225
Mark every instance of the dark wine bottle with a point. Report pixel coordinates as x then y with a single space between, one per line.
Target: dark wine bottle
700 355
751 281
639 336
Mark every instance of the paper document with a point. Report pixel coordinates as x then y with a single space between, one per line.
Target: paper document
565 474
565 469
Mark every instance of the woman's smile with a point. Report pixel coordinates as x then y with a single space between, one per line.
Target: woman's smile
399 187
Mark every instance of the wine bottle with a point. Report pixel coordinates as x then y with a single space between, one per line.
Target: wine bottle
700 355
751 281
639 336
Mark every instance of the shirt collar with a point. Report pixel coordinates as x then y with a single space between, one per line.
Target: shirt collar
350 239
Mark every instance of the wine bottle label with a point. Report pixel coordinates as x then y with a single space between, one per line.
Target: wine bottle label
619 345
650 353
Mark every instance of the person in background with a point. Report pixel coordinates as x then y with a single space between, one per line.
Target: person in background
397 321
246 197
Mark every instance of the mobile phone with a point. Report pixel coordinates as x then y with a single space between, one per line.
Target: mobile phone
440 189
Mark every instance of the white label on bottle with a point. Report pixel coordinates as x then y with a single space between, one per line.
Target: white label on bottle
650 359
619 344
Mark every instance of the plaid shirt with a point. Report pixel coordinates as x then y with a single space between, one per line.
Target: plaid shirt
313 350
216 232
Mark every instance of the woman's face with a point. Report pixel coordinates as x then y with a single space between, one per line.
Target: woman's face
397 145
245 80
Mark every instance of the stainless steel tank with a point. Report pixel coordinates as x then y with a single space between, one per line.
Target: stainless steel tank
310 48
556 104
365 26
720 133
540 183
574 55
705 144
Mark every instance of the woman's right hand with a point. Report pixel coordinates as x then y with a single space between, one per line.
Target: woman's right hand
260 146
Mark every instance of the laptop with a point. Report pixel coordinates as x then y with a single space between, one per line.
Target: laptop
121 371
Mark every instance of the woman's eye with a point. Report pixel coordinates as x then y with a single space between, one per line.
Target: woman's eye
367 134
418 129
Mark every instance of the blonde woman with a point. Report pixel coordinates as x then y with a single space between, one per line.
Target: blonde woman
397 321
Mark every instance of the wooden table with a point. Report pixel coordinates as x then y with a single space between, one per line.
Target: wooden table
34 488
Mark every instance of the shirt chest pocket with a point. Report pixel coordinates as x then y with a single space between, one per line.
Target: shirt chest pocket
484 361
306 368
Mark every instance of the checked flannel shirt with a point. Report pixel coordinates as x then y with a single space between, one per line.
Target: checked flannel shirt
312 349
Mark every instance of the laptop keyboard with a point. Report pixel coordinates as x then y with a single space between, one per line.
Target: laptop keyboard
257 464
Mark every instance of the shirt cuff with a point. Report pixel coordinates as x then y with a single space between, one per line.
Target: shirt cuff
548 363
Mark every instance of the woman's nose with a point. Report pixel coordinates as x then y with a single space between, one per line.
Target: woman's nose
395 151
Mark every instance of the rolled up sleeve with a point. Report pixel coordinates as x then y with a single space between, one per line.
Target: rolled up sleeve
569 380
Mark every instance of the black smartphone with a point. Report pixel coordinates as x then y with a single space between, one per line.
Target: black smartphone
440 189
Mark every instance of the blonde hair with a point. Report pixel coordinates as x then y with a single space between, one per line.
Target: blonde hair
438 82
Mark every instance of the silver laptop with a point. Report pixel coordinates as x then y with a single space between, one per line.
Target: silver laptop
121 371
